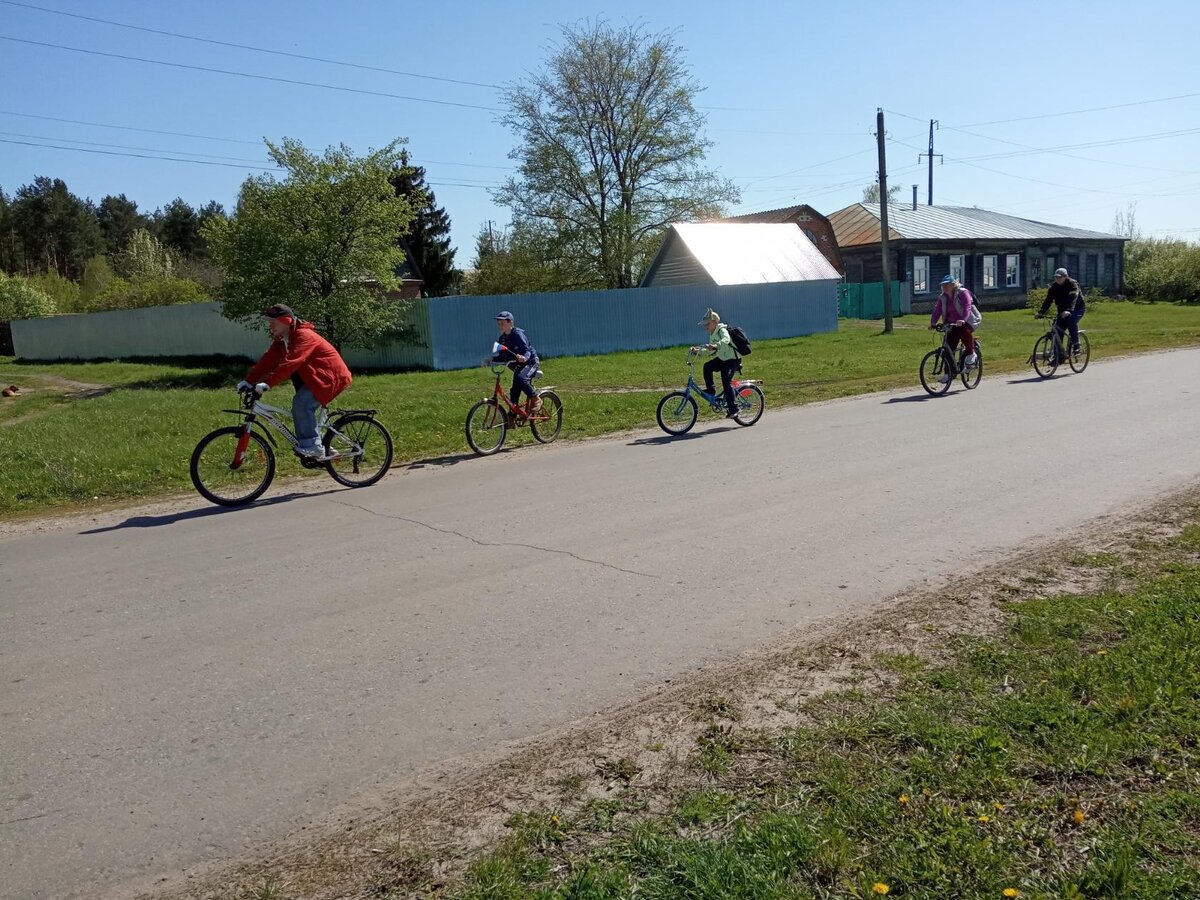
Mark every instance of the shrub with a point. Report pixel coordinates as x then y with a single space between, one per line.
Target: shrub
63 291
1162 269
143 292
21 299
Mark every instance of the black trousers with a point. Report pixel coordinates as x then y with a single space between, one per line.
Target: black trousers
727 368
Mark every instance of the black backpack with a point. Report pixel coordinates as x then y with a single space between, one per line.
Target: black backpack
741 343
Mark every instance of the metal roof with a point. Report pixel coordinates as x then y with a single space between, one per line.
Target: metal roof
783 214
751 253
858 224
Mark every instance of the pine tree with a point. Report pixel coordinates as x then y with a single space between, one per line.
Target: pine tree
429 238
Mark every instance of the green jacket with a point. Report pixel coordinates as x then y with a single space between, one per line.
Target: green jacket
720 337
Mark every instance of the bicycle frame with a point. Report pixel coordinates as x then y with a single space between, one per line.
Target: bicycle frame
255 412
716 400
519 409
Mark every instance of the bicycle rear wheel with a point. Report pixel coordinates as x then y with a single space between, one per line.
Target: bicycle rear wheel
1079 361
486 427
363 447
676 413
750 404
215 474
546 424
1045 356
936 364
971 376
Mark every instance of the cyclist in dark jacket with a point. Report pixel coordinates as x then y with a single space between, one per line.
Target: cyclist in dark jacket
1066 294
516 350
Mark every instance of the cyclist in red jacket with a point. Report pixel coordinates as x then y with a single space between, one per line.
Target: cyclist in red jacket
316 369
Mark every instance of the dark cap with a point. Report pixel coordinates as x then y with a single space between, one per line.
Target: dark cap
504 314
278 311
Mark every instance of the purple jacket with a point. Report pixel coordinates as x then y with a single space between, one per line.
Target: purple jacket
956 308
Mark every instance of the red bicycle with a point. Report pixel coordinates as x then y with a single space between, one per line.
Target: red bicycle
489 419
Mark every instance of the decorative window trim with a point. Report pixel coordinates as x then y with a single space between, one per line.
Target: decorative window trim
921 284
989 272
1012 270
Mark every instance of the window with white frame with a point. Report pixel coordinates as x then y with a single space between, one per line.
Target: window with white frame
920 275
989 272
1012 270
956 268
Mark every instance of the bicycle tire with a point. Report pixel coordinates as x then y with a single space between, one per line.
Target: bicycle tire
1045 356
933 365
750 404
547 429
677 418
975 373
1080 360
364 450
211 467
484 419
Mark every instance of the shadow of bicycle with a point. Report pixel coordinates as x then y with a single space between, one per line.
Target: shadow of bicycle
921 398
689 436
206 512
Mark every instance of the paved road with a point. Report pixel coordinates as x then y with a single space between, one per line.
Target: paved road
178 686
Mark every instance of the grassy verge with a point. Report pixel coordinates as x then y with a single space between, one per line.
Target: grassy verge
65 446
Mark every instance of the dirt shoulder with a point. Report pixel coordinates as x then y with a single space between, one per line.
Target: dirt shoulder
419 837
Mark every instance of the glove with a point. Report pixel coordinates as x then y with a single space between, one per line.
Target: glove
243 386
261 388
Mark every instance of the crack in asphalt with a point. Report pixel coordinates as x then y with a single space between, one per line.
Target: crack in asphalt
474 540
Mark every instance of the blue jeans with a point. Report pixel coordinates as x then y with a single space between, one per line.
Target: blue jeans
304 417
1071 324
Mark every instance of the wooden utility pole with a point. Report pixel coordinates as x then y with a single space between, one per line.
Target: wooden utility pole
883 224
931 155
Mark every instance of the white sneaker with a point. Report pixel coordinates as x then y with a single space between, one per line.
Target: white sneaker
970 360
311 452
946 379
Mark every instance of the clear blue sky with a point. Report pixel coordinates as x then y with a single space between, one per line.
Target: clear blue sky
792 90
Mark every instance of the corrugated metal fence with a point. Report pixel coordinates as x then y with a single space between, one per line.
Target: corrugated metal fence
865 301
457 332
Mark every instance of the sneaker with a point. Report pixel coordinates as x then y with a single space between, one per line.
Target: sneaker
970 361
536 406
731 414
946 379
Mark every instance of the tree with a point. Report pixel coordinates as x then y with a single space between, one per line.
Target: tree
145 257
119 219
871 193
1125 222
322 240
19 299
610 149
11 256
58 231
429 237
178 228
513 261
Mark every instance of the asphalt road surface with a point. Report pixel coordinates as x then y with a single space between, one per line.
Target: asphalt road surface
181 682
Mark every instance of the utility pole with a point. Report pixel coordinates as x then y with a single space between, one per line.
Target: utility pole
931 155
883 224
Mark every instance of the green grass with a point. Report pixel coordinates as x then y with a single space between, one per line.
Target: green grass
135 441
1061 760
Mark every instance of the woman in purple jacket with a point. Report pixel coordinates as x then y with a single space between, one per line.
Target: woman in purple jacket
957 306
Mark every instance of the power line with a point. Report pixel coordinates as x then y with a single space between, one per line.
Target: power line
203 137
198 162
1111 142
42 137
1075 112
203 40
316 84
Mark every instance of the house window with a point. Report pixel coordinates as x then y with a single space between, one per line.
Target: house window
1012 270
1110 270
920 274
989 271
1089 270
956 268
1051 265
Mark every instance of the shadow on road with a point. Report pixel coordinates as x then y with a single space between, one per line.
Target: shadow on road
672 438
1034 379
921 398
203 513
448 460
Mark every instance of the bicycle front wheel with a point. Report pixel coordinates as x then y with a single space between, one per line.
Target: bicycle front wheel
1045 356
750 403
486 427
935 366
971 376
363 447
676 413
546 424
221 477
1079 361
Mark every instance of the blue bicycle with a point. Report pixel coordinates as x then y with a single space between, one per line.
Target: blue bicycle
677 411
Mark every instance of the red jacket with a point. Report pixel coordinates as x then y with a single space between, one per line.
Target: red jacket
310 357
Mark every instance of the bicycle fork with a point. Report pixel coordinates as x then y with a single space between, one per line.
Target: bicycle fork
243 442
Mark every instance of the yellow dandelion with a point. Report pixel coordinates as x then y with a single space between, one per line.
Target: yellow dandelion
555 820
1011 892
999 806
903 799
1078 816
985 819
1102 652
880 888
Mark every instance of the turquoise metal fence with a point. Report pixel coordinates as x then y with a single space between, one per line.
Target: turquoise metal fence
865 301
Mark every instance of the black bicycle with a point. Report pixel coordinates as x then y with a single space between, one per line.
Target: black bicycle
1051 350
939 367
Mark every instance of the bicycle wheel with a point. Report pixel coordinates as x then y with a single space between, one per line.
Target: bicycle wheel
676 413
546 424
486 427
1079 361
364 450
750 403
1045 356
970 377
216 477
934 366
